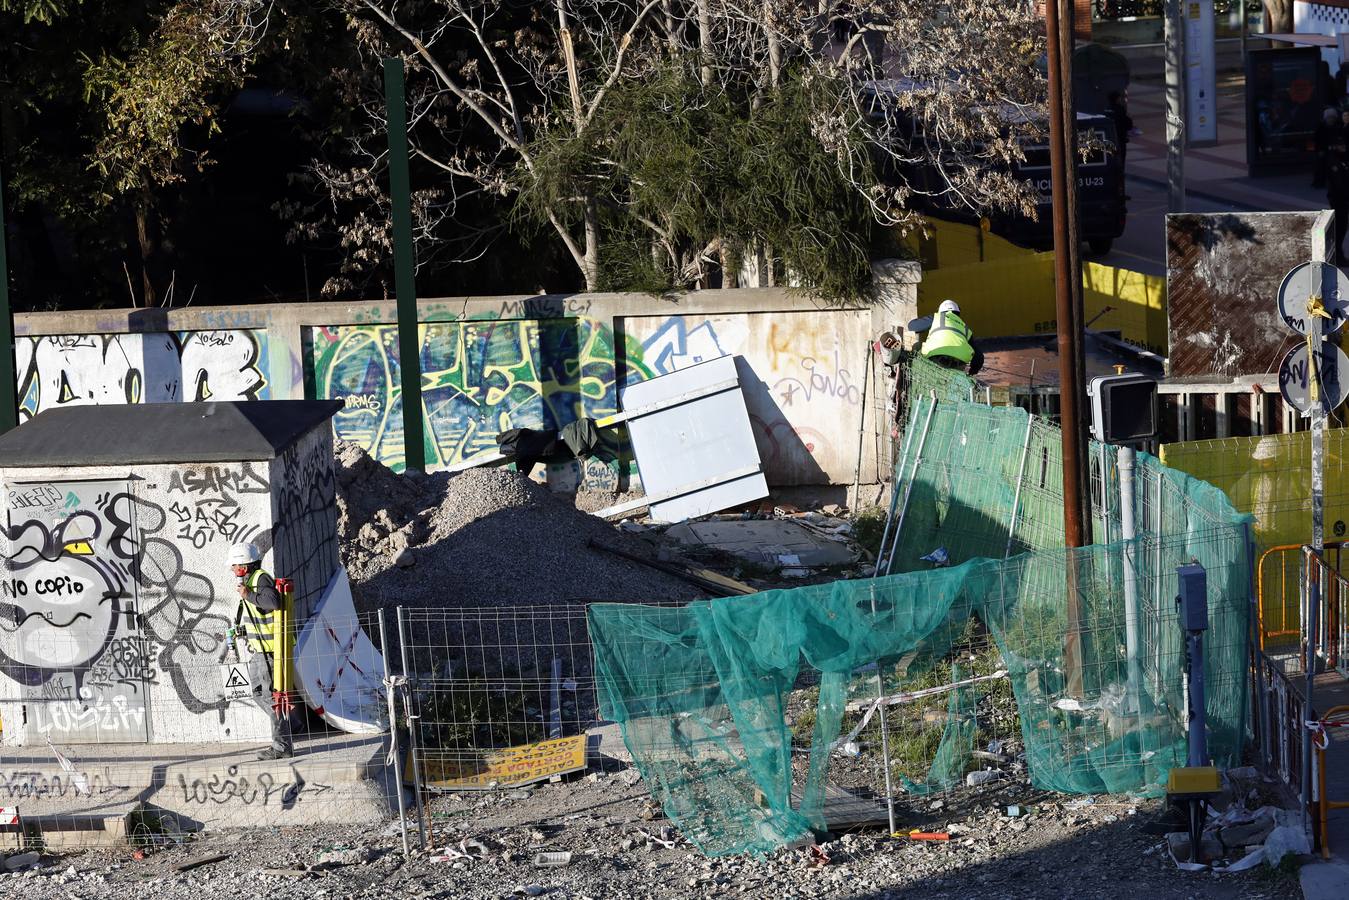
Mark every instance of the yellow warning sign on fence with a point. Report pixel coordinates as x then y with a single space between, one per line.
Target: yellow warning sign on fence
467 770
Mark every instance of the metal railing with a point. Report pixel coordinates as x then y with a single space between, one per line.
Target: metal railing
1278 598
1336 717
1279 717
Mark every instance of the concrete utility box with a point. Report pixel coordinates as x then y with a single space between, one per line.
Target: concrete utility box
116 593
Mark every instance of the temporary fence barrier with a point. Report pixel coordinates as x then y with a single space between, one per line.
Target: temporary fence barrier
704 692
1335 717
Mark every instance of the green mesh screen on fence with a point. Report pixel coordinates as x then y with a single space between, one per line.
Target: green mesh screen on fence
701 692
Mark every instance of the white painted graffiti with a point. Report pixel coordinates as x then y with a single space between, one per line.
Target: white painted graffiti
91 369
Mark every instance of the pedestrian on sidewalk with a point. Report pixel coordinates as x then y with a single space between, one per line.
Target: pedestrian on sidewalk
1118 109
1328 133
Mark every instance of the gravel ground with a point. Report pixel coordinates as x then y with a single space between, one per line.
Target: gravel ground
1098 851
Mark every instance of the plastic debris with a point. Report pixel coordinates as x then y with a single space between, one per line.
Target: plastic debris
939 558
918 835
552 859
468 848
986 776
22 861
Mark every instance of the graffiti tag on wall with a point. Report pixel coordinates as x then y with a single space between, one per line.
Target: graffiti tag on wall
61 370
98 601
479 378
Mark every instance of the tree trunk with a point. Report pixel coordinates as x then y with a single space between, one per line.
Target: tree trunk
147 243
1278 16
705 40
591 268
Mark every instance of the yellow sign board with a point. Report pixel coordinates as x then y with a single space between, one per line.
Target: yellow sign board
467 770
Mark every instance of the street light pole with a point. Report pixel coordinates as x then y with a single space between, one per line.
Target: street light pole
404 269
1068 308
9 390
1174 37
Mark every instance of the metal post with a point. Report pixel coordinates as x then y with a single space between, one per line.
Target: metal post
1067 285
1174 36
908 488
861 430
9 390
394 750
1020 477
413 720
1311 584
1124 459
885 736
1241 7
894 501
404 269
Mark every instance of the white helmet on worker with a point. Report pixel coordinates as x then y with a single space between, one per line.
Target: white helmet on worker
949 306
245 554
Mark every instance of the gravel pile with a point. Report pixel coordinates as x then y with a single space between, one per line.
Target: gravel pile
494 574
481 538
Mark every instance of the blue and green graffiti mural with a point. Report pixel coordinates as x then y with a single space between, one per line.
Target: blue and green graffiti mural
479 378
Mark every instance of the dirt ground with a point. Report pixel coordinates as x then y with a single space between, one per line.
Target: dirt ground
1060 849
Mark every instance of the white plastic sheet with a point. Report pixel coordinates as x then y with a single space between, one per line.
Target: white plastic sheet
339 670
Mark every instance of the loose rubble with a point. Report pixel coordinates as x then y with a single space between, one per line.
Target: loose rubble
1050 852
479 538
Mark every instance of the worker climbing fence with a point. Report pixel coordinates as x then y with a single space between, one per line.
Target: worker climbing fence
1087 643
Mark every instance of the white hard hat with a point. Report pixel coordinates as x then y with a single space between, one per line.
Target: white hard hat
244 554
949 306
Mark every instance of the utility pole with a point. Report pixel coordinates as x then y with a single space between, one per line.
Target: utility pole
1174 38
9 389
1068 309
404 269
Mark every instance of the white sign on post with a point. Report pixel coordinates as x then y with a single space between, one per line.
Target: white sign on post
234 681
9 815
1201 80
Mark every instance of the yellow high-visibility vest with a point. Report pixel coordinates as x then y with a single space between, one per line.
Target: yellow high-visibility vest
949 336
261 630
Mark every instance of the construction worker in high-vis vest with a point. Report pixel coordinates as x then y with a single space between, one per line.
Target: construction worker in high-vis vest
255 623
948 340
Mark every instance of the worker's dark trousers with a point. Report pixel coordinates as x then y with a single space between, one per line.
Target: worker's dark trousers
260 677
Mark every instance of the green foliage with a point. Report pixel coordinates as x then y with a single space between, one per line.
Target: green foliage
868 528
475 715
169 81
678 165
43 11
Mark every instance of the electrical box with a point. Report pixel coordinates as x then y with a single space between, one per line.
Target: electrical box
1123 408
1193 599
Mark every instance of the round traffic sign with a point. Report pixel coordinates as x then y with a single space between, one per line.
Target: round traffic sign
1295 377
1298 285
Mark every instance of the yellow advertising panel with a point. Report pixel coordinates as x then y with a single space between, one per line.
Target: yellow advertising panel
1005 290
467 770
1270 478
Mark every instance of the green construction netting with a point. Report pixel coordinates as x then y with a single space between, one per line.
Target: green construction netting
701 691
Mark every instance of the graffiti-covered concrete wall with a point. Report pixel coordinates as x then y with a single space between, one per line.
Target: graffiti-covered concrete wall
493 363
117 596
73 369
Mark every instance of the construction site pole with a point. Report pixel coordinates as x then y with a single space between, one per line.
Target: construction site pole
1067 303
9 391
1173 37
404 269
